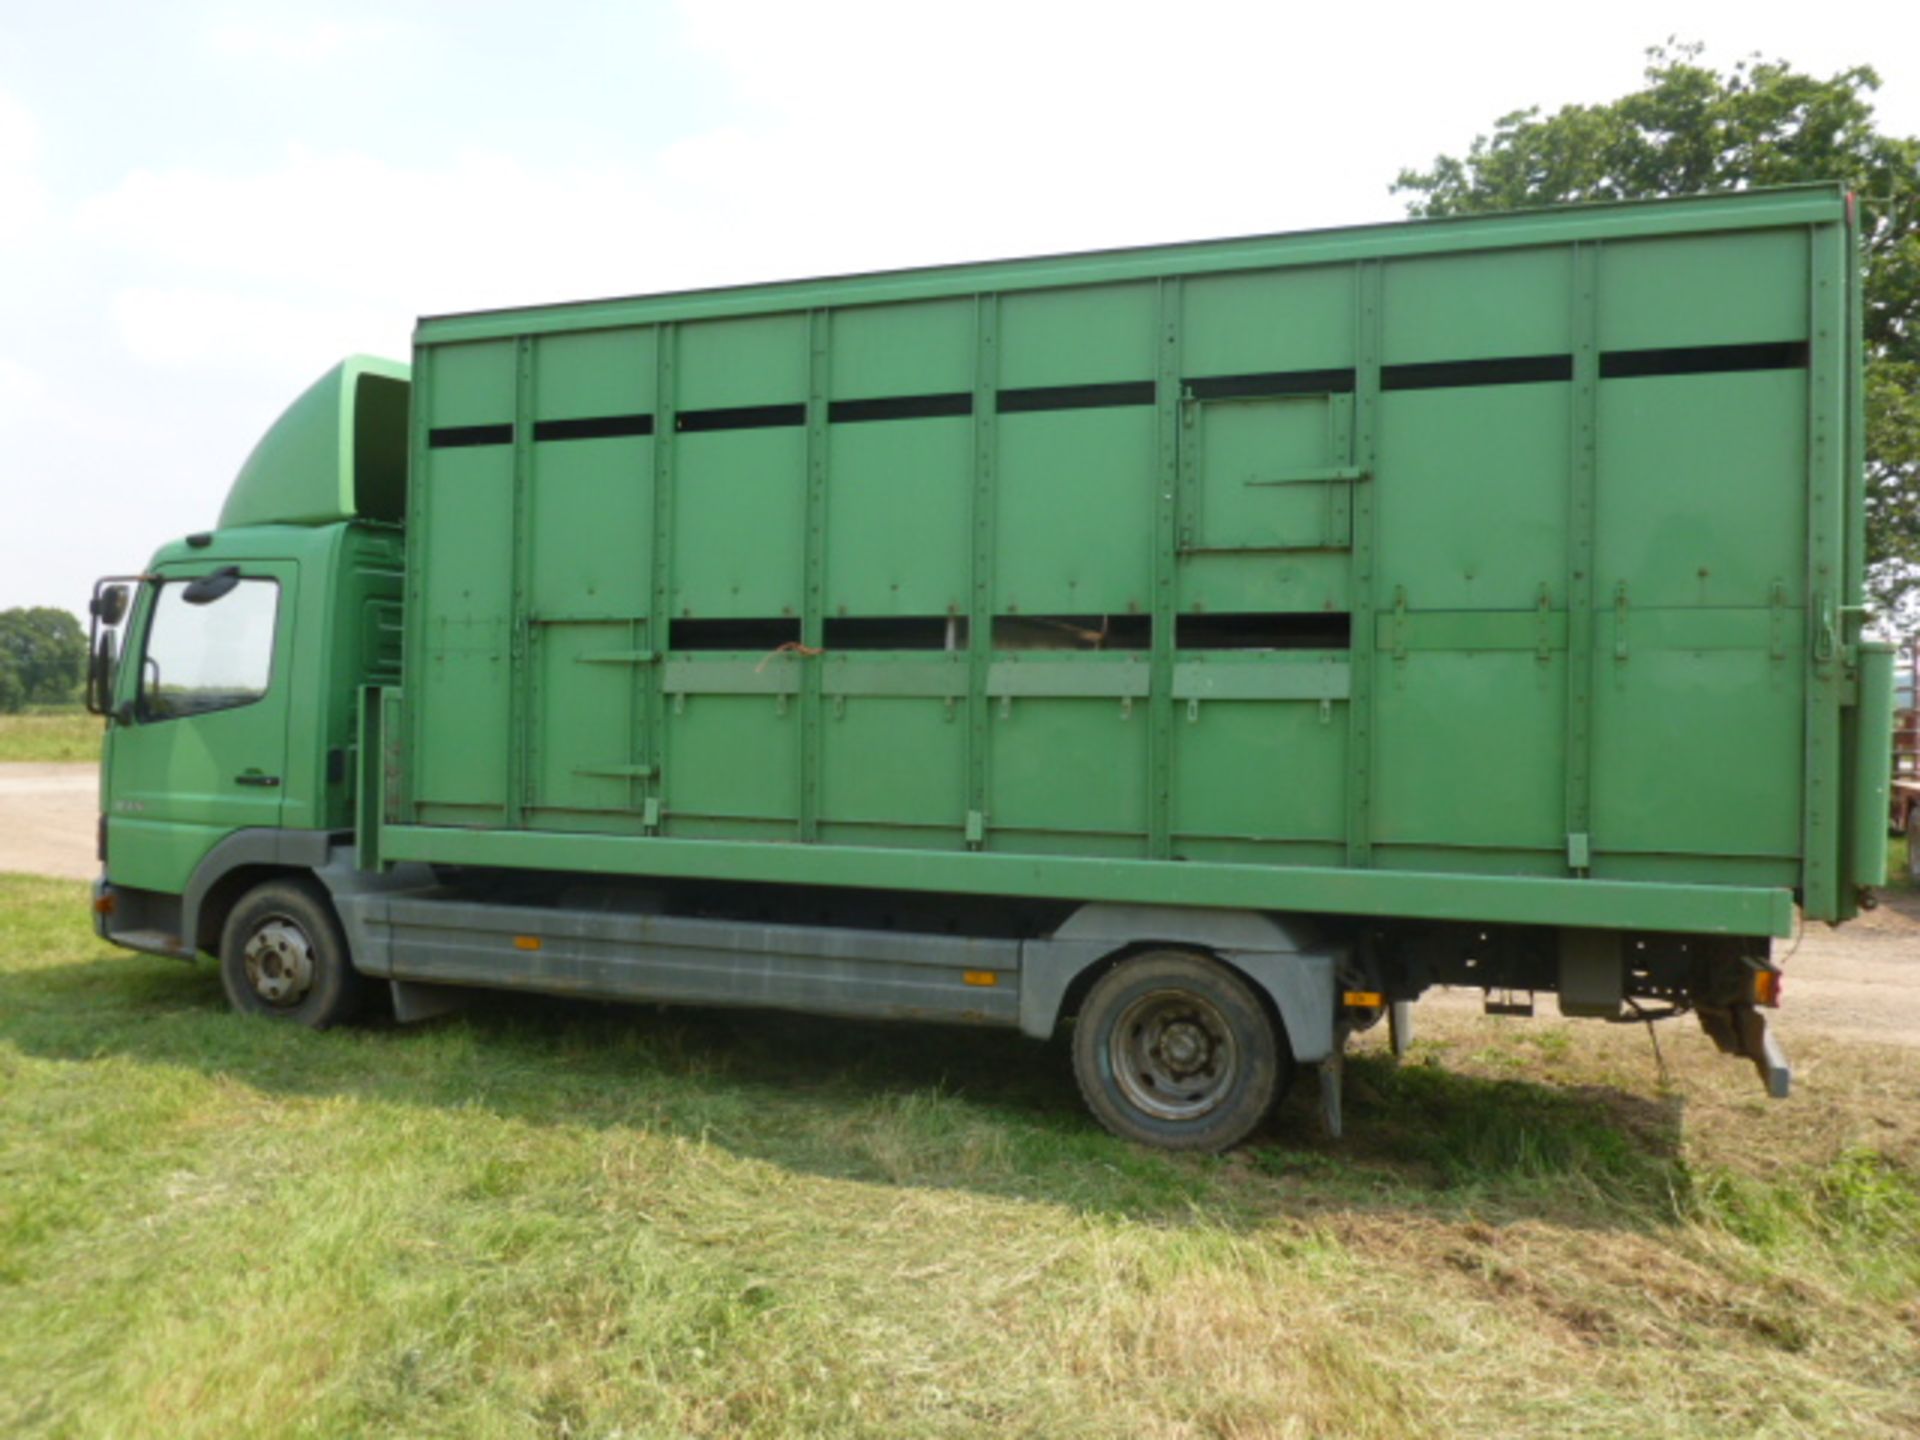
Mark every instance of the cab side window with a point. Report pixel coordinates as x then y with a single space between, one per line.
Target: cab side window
207 657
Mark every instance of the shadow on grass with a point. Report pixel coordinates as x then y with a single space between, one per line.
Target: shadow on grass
922 1105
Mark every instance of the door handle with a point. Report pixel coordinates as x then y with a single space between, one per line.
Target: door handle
254 777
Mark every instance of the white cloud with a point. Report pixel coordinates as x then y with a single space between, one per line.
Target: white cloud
187 325
24 204
310 42
486 229
22 391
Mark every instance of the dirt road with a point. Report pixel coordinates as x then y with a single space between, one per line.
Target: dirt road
47 819
1859 982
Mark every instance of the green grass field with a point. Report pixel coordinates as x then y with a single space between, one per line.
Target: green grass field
559 1220
50 733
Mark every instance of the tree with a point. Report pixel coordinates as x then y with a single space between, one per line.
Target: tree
45 651
1696 128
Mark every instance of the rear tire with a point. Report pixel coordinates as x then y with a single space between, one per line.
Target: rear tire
1175 1050
284 956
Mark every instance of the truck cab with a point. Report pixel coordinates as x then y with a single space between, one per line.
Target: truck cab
229 669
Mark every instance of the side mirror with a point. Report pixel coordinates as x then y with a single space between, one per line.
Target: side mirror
208 588
100 668
109 607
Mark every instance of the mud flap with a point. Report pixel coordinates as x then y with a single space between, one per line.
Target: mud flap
1330 1070
1400 1027
414 1001
1742 1030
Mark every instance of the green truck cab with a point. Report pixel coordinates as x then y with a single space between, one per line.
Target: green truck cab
1214 646
232 725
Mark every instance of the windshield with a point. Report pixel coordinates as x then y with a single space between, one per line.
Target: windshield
207 657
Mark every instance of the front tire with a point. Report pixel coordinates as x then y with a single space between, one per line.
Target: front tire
1176 1050
283 956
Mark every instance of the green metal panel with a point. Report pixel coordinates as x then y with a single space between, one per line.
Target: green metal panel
1680 736
730 758
1705 290
1265 321
1732 909
898 496
1286 760
1469 748
882 350
739 522
758 361
462 629
1101 334
1576 481
1504 445
1687 463
1074 512
1436 307
893 760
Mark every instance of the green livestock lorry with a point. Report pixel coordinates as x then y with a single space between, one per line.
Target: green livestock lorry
1209 646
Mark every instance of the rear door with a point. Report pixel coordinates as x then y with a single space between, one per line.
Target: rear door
199 743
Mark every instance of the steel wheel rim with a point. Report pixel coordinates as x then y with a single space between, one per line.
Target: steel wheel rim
279 959
1173 1055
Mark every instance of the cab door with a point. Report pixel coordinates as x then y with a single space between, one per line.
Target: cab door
198 747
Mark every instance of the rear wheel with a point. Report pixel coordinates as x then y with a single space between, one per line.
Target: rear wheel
284 956
1175 1050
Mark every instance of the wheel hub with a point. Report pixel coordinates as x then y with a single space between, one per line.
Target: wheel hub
1184 1047
1173 1055
280 962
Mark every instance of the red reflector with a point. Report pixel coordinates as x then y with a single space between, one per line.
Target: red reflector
103 905
1766 987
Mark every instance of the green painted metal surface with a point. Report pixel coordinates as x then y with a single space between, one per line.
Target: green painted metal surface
337 453
1470 554
1503 569
174 786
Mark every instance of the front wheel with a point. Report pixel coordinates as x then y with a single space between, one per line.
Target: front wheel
1175 1050
283 956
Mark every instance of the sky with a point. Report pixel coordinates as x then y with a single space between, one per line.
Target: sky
203 206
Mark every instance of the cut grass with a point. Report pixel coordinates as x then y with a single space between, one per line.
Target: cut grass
546 1219
50 733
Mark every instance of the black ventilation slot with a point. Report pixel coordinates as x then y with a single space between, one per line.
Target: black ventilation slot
1507 370
1275 382
1074 397
895 632
598 427
1072 632
1703 360
464 437
901 407
771 633
739 417
1310 630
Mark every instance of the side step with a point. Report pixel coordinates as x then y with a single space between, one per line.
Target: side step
152 942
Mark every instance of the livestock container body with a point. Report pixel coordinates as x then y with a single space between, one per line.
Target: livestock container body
1525 546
